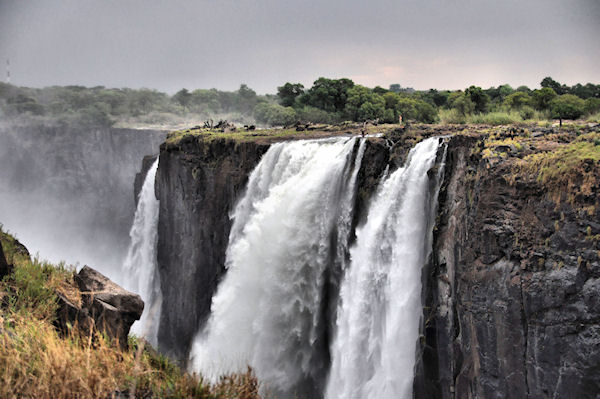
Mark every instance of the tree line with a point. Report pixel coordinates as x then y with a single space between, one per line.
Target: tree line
326 101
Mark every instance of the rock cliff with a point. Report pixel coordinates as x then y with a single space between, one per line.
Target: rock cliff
510 293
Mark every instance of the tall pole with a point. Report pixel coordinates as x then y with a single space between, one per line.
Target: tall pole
7 70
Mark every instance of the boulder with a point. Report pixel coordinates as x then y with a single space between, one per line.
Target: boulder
5 268
104 306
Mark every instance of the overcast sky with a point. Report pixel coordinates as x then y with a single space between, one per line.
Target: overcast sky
172 44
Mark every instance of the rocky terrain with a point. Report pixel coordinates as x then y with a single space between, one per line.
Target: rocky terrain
511 292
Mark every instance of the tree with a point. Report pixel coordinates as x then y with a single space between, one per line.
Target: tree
395 87
592 105
543 97
379 90
363 104
478 97
183 97
328 94
517 100
246 99
554 85
274 114
463 104
567 106
289 92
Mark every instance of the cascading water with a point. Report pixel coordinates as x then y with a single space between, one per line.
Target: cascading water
374 349
141 274
289 230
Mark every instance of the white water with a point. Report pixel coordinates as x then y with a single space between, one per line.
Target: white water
373 353
141 274
288 229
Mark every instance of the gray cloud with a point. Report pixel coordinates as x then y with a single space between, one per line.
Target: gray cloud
221 43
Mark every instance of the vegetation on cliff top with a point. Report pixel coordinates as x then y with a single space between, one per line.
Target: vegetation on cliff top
328 101
37 362
565 162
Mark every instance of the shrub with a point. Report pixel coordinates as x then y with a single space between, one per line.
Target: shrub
495 118
567 106
275 114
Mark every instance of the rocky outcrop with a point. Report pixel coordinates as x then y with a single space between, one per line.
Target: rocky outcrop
100 305
5 268
510 293
198 183
511 307
138 182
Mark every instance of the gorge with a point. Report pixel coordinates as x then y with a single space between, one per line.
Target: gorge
440 262
508 290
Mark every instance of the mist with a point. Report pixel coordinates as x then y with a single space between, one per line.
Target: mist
68 193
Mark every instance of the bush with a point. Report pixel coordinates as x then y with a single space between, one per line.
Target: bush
495 118
316 115
275 114
451 116
527 112
567 106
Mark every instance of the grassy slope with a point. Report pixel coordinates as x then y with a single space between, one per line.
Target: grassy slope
36 362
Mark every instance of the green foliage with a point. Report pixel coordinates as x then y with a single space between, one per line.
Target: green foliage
517 100
567 106
495 118
316 115
527 112
275 114
543 97
462 103
554 85
183 97
451 116
289 92
328 94
364 104
592 105
478 97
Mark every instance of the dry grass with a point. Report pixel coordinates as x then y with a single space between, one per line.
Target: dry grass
568 168
38 362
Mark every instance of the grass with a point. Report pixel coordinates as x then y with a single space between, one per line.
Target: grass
568 168
495 118
175 138
38 362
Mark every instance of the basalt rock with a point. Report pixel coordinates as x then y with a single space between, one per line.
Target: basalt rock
102 306
510 295
5 268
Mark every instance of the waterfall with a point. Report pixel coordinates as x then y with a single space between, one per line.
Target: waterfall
141 274
289 229
377 327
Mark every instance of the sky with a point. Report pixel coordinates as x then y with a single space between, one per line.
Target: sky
168 45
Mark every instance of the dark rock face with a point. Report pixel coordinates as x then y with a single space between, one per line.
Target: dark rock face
198 183
511 292
5 268
104 306
140 177
511 308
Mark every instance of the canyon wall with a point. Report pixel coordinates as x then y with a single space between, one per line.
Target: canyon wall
510 293
67 192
